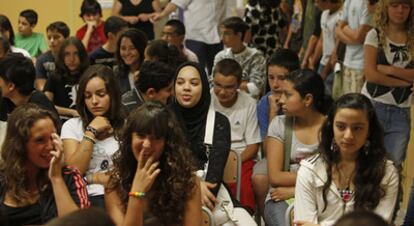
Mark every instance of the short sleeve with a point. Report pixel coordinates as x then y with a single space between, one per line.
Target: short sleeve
277 128
372 38
183 4
252 132
72 129
345 11
40 70
366 17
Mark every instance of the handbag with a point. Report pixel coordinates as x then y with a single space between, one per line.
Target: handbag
223 211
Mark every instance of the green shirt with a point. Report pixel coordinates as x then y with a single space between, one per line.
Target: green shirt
35 44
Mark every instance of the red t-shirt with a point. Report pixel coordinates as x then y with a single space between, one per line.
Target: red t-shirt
97 39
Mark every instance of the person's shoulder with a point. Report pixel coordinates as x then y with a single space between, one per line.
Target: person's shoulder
245 99
47 56
73 123
314 164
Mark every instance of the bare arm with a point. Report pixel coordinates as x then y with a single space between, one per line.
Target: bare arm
171 7
312 42
250 152
401 73
40 83
116 11
339 31
192 214
373 75
275 159
317 53
357 36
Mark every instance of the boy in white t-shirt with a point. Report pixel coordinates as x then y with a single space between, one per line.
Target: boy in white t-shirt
331 15
240 109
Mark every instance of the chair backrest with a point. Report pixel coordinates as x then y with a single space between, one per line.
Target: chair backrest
289 215
232 171
207 217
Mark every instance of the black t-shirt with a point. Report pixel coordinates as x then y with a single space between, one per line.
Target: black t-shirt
45 65
101 56
145 6
64 90
45 208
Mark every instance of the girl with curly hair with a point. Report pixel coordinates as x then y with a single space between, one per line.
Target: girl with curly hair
351 171
34 187
91 139
152 182
389 72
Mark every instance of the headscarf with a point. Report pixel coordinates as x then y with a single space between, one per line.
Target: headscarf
194 119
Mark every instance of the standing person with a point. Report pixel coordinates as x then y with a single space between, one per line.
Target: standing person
92 33
6 30
192 108
389 53
72 60
129 56
352 29
351 171
152 179
26 38
34 186
266 23
201 19
137 13
91 139
304 103
56 33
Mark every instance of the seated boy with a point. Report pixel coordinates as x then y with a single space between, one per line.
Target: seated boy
92 33
105 54
252 60
56 33
240 109
174 33
26 39
155 82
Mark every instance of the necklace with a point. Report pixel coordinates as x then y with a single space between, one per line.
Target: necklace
346 193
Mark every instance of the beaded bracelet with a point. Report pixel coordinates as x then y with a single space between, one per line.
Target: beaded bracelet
88 138
92 130
137 194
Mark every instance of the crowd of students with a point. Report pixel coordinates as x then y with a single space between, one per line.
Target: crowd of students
313 96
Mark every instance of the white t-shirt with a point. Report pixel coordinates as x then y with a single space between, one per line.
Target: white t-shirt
328 24
355 13
3 129
243 120
101 159
396 59
15 49
202 19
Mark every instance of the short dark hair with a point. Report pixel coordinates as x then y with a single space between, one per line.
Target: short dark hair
60 27
160 50
4 42
285 58
154 74
6 25
361 218
83 217
90 6
229 67
236 24
20 71
177 25
114 24
30 15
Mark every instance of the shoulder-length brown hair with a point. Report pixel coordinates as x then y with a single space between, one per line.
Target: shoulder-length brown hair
13 152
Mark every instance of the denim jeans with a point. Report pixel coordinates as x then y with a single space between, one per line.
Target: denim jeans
274 213
328 80
396 122
205 53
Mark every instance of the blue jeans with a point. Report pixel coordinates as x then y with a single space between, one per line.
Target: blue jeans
396 122
205 53
274 213
409 217
328 80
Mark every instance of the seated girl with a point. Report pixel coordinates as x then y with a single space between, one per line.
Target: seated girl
351 171
34 187
292 137
90 140
152 182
